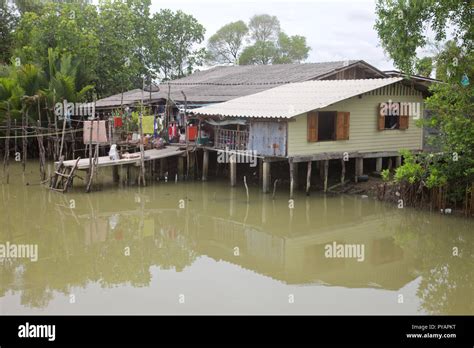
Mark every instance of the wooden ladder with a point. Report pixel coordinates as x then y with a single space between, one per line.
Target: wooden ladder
63 176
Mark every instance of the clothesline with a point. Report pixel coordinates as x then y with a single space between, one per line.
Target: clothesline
45 134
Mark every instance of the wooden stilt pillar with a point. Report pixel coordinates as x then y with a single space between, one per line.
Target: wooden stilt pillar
390 163
233 170
115 174
162 167
180 167
260 170
266 177
192 165
205 164
292 178
308 178
378 164
326 171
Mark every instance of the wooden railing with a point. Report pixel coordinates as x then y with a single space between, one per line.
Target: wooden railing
231 139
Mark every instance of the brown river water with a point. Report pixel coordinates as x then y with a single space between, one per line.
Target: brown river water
201 248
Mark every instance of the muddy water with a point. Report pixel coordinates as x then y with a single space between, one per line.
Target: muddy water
201 248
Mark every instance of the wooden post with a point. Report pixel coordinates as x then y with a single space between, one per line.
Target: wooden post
246 188
89 176
205 164
6 159
260 170
326 170
180 167
378 164
390 163
292 178
233 170
192 165
343 171
308 178
115 174
162 167
266 177
142 151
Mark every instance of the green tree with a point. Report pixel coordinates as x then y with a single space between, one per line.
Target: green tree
291 49
402 28
64 27
118 64
8 22
424 66
270 45
264 28
174 51
226 44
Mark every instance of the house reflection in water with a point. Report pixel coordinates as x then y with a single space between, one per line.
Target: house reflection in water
288 248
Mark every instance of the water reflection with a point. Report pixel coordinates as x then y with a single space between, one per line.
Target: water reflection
115 237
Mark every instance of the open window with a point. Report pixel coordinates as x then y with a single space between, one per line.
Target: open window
328 125
393 116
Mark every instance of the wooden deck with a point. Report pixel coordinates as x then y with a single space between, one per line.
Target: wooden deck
105 161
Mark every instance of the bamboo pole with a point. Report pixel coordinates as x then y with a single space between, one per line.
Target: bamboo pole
292 179
308 178
326 169
89 181
6 159
24 140
274 188
141 177
246 188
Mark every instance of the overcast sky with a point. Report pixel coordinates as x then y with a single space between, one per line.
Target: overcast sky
335 30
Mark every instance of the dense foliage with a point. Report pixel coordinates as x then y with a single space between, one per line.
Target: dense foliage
402 27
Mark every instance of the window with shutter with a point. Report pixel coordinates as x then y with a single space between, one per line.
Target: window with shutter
404 115
342 126
312 126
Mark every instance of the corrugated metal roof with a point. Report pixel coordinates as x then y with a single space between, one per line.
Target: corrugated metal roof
223 83
295 98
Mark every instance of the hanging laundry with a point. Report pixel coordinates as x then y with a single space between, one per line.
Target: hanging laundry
118 122
172 130
99 133
148 123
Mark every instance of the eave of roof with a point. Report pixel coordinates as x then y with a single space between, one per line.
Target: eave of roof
294 99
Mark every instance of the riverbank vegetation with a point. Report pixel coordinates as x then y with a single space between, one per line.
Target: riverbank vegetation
402 30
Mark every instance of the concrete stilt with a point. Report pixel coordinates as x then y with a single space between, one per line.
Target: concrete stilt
233 170
343 171
359 168
292 178
205 164
398 161
266 177
378 164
